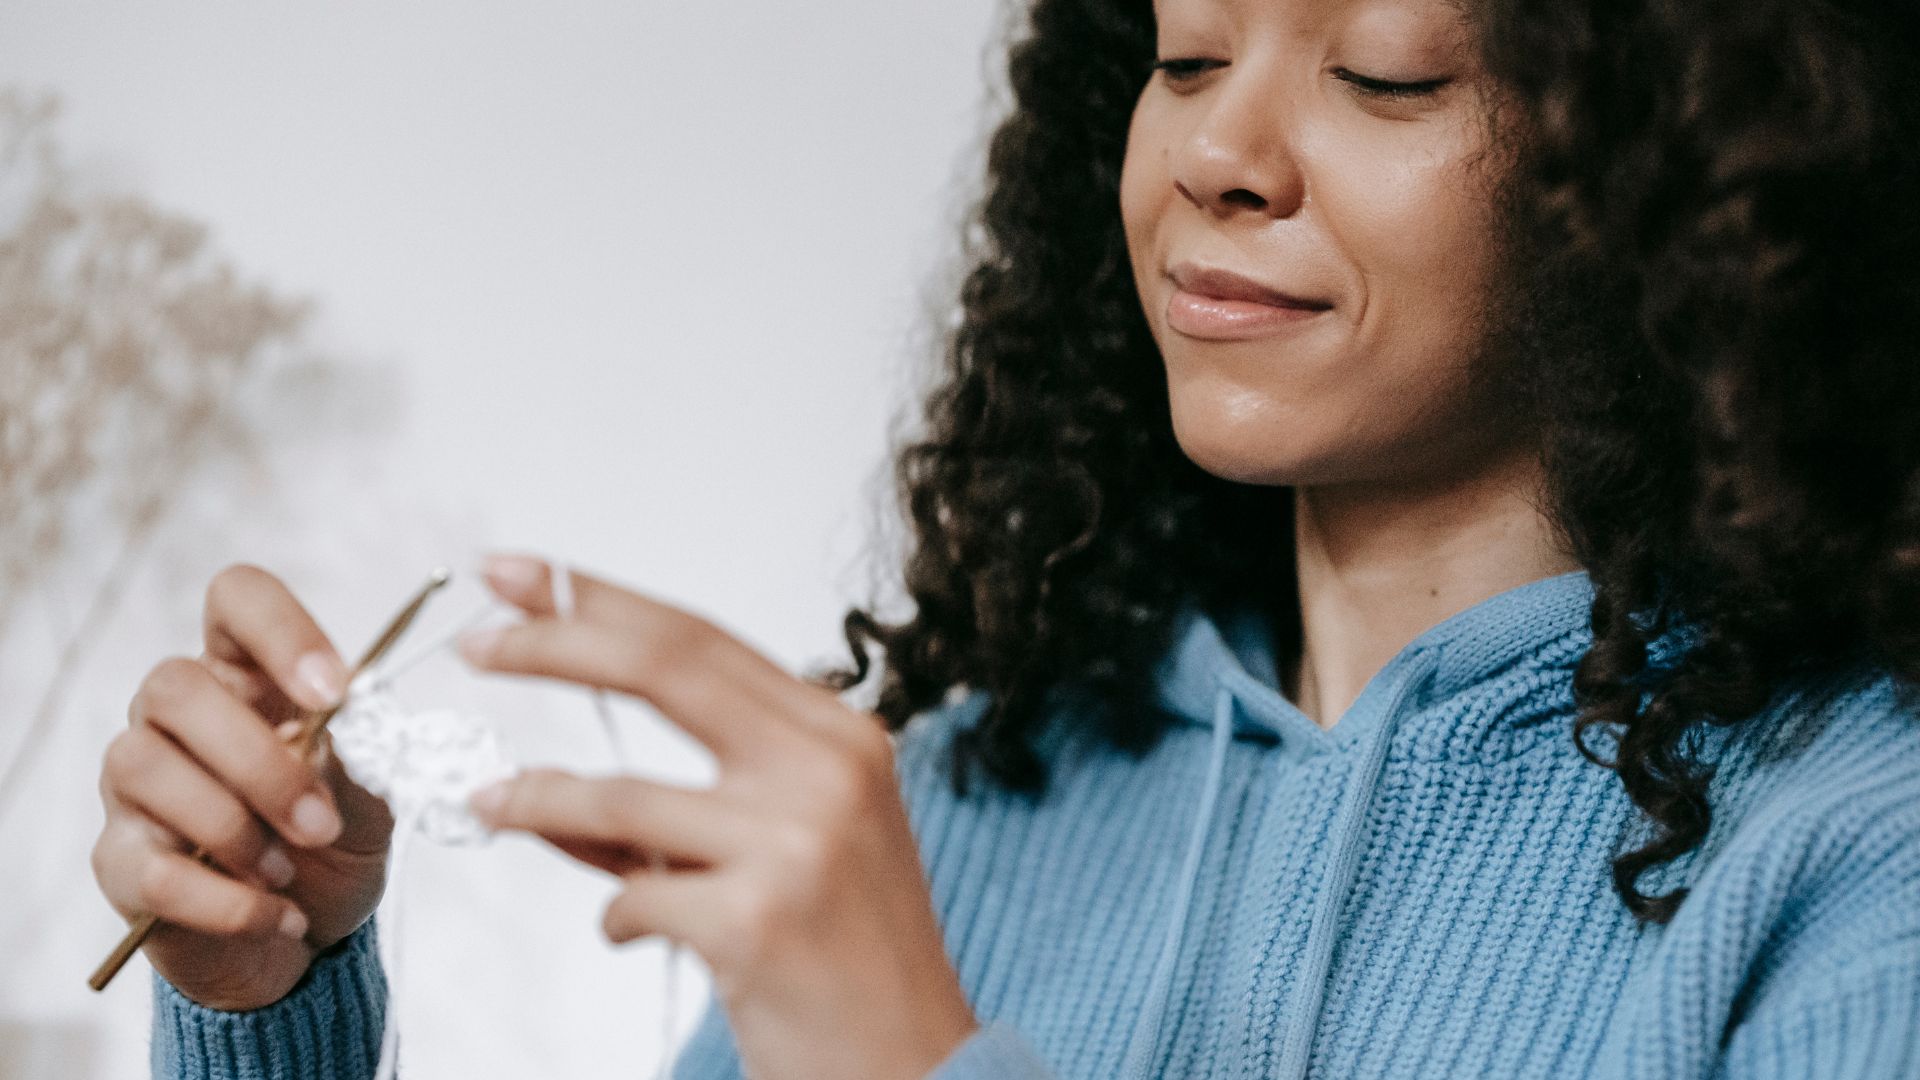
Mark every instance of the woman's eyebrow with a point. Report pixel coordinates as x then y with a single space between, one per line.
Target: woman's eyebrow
1419 24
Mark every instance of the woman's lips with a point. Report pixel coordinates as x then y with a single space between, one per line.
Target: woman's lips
1211 318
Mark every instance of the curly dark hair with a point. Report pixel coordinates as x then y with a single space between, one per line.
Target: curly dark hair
1712 268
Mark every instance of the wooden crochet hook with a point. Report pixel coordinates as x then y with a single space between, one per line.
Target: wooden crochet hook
307 738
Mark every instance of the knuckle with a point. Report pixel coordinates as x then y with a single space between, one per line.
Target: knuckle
675 643
238 915
526 794
619 804
618 923
539 776
115 859
172 680
268 786
698 637
846 787
234 581
160 886
872 750
651 657
235 838
128 755
283 777
767 909
101 857
799 849
750 918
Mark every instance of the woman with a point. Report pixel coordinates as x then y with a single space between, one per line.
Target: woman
1424 511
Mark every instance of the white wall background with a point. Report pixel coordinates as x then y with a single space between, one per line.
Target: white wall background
638 283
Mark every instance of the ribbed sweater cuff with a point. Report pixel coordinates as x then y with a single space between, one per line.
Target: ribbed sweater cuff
326 1028
995 1051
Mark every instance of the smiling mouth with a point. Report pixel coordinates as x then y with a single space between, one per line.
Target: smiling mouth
1215 318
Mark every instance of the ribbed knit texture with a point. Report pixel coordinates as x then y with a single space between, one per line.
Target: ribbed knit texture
1421 891
329 1026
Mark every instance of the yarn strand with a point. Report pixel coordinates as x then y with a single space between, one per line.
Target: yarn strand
379 682
561 576
390 1029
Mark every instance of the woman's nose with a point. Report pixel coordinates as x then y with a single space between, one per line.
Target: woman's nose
1240 155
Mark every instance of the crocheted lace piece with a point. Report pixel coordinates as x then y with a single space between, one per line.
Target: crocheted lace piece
424 764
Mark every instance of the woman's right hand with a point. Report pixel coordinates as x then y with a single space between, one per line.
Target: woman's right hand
300 850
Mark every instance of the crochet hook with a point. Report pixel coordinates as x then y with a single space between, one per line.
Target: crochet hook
307 739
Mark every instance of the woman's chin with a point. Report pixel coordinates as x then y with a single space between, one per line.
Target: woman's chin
1237 438
1248 461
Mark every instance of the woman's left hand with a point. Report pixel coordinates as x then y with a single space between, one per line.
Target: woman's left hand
796 877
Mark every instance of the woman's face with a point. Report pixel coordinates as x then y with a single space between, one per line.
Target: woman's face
1272 150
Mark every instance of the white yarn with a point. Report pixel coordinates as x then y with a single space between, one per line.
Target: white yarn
404 829
426 765
561 577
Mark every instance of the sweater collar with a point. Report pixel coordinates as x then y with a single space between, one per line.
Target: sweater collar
1543 623
1220 674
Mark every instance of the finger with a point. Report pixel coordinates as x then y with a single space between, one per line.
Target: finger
182 699
682 907
182 891
717 690
624 811
151 773
526 582
121 849
619 859
251 617
701 677
715 710
256 688
369 820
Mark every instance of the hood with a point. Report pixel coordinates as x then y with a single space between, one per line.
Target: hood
1543 621
1219 673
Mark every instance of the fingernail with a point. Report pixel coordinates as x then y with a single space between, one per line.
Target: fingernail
486 802
478 645
315 820
276 867
321 680
514 573
294 924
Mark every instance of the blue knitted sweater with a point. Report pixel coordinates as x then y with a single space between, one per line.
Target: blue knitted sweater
1420 891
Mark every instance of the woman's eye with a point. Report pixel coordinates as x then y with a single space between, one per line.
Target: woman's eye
1184 68
1386 89
1179 69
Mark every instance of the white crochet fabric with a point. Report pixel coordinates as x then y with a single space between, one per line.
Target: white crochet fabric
424 764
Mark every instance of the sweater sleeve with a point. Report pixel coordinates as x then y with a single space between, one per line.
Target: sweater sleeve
708 1053
996 1051
327 1028
1862 1022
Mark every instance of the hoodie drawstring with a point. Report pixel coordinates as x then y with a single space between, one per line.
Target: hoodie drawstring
1296 1049
1146 1036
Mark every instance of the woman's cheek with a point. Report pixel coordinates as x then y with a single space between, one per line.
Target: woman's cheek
1422 238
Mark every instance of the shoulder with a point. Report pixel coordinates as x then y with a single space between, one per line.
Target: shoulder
1806 891
1843 751
1822 806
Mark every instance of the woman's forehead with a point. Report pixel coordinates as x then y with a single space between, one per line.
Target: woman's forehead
1403 16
